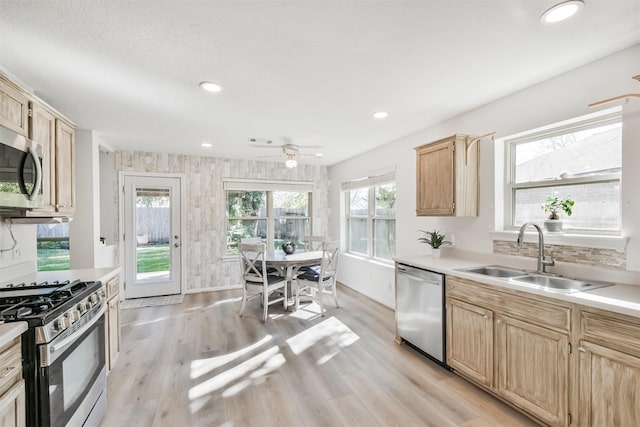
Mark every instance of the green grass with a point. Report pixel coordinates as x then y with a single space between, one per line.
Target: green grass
153 258
53 259
150 258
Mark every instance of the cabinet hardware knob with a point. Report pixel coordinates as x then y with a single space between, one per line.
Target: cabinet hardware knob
486 317
498 321
582 349
8 371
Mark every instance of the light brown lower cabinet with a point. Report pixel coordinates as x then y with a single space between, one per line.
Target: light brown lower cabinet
513 346
533 369
112 320
470 340
12 406
609 369
12 391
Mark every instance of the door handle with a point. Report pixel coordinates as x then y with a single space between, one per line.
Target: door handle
176 245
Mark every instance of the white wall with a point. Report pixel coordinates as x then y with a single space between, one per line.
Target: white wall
563 97
22 259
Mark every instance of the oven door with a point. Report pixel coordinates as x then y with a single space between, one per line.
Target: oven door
72 373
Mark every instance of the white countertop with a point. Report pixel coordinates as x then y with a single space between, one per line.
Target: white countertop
619 298
88 274
9 331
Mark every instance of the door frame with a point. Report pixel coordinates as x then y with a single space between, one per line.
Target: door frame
121 217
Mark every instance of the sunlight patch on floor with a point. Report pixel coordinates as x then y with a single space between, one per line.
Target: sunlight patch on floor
307 311
332 331
200 367
270 358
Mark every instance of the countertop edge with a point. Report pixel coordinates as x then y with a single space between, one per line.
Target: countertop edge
9 331
618 298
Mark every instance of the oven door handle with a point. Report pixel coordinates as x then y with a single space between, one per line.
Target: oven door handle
67 340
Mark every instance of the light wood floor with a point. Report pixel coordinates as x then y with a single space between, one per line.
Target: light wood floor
199 364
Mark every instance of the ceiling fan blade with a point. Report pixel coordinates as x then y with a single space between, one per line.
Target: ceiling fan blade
279 156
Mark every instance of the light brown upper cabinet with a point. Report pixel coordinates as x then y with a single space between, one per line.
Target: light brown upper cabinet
65 168
14 108
447 177
57 139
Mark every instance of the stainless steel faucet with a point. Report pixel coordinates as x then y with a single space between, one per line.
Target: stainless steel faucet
542 262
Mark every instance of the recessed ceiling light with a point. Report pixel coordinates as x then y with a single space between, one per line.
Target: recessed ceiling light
210 86
380 115
207 144
318 155
561 11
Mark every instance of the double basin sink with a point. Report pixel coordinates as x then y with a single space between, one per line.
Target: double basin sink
538 280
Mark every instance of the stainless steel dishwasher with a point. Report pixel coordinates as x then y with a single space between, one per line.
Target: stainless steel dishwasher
420 310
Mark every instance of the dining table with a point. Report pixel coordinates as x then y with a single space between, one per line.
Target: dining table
290 264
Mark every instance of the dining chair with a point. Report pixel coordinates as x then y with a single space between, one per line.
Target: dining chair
253 264
313 243
319 280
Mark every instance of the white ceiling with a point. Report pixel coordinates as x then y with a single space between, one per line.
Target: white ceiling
307 72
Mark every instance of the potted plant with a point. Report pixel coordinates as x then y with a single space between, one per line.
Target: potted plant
553 207
435 239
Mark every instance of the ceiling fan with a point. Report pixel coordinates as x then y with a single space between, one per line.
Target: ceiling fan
290 152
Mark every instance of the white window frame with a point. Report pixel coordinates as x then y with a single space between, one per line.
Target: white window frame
610 116
269 187
369 183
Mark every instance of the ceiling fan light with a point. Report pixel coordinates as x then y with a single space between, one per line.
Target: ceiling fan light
291 163
561 11
380 115
210 86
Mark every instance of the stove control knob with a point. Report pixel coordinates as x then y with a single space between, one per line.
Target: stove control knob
83 307
61 323
73 315
94 298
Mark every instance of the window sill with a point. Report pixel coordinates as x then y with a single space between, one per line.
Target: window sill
583 240
379 261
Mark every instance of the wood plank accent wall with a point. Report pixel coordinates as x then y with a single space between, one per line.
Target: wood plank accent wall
206 262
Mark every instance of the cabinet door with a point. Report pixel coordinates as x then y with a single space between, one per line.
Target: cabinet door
470 341
435 177
609 387
42 129
533 369
14 109
114 330
65 168
12 406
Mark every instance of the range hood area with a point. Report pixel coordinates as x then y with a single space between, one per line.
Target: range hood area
38 220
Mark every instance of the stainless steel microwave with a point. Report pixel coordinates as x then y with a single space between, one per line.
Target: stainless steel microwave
21 177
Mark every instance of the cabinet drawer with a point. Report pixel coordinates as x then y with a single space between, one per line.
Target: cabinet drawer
535 309
10 366
113 287
619 333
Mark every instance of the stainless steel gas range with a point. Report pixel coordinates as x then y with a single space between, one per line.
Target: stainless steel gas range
63 350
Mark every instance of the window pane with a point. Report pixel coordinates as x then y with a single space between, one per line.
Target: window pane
359 202
385 200
53 247
246 203
290 230
290 203
584 153
384 244
241 228
358 235
597 205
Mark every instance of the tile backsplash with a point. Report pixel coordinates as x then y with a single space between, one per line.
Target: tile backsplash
609 258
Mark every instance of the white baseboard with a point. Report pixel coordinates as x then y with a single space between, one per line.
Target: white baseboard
212 289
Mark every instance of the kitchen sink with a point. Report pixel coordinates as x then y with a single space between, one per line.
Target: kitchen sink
494 271
548 282
558 284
